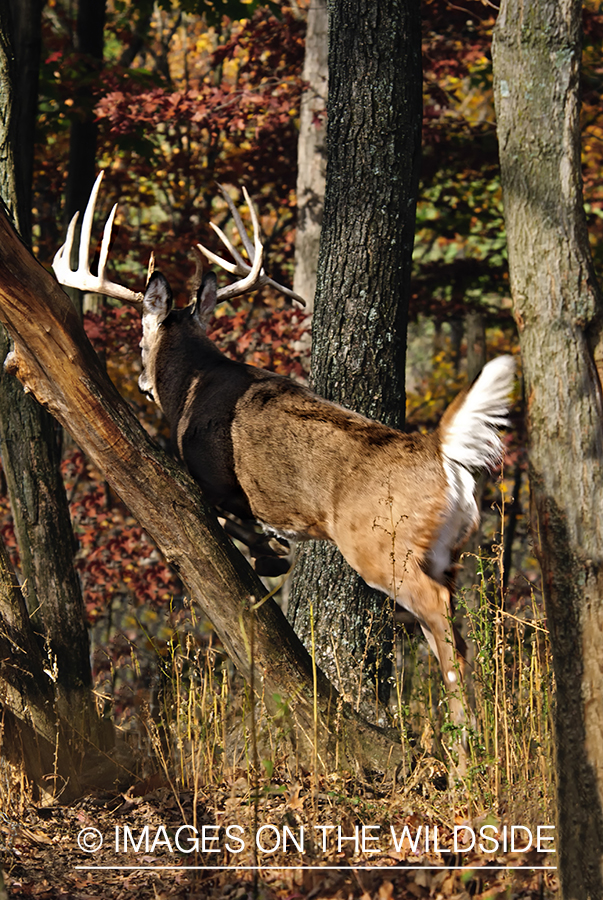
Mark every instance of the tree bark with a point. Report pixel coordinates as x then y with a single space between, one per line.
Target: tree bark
82 142
559 314
311 154
27 44
81 171
363 285
31 458
55 360
8 184
56 751
31 464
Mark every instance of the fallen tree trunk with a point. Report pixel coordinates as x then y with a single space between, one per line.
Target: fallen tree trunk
55 361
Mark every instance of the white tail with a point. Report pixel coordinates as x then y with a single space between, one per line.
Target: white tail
471 437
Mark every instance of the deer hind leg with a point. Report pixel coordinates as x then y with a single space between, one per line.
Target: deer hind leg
432 604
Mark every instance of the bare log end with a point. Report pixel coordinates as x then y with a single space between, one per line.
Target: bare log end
23 366
11 363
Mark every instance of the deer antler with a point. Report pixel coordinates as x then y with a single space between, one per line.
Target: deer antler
82 277
252 276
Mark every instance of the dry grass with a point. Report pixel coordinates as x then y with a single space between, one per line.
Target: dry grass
224 761
206 729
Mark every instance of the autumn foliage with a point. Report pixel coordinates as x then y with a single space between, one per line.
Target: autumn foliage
180 105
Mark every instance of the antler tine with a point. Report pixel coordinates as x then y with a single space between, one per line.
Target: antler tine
65 250
241 266
253 276
86 231
256 225
82 278
249 247
104 250
285 290
251 281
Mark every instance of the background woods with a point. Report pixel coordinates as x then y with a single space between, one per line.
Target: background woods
168 99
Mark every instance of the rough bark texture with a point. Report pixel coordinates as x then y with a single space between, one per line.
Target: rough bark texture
359 328
559 313
31 463
31 460
8 186
55 360
312 153
56 751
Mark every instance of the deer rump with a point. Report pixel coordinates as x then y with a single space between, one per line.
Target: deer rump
398 506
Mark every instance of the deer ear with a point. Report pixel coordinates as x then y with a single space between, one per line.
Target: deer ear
207 297
157 299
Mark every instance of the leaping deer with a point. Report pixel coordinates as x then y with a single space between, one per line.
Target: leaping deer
398 506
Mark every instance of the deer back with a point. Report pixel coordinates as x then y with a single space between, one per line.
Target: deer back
262 445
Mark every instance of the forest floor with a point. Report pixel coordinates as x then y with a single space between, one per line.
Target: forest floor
314 839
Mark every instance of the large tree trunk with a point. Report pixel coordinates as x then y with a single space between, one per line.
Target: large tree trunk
31 464
55 360
559 313
359 328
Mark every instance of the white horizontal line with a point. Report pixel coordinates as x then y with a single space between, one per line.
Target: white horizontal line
342 866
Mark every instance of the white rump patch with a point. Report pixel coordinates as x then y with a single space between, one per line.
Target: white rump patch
461 517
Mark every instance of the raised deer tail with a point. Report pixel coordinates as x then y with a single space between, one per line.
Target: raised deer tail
469 429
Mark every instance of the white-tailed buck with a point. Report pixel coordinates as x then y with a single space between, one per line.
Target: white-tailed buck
398 506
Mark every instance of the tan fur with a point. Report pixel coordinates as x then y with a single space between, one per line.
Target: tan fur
375 492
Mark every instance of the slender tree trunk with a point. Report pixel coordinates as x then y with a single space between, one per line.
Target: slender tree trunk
27 44
31 460
312 153
8 183
559 313
359 329
475 332
35 734
81 172
82 143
